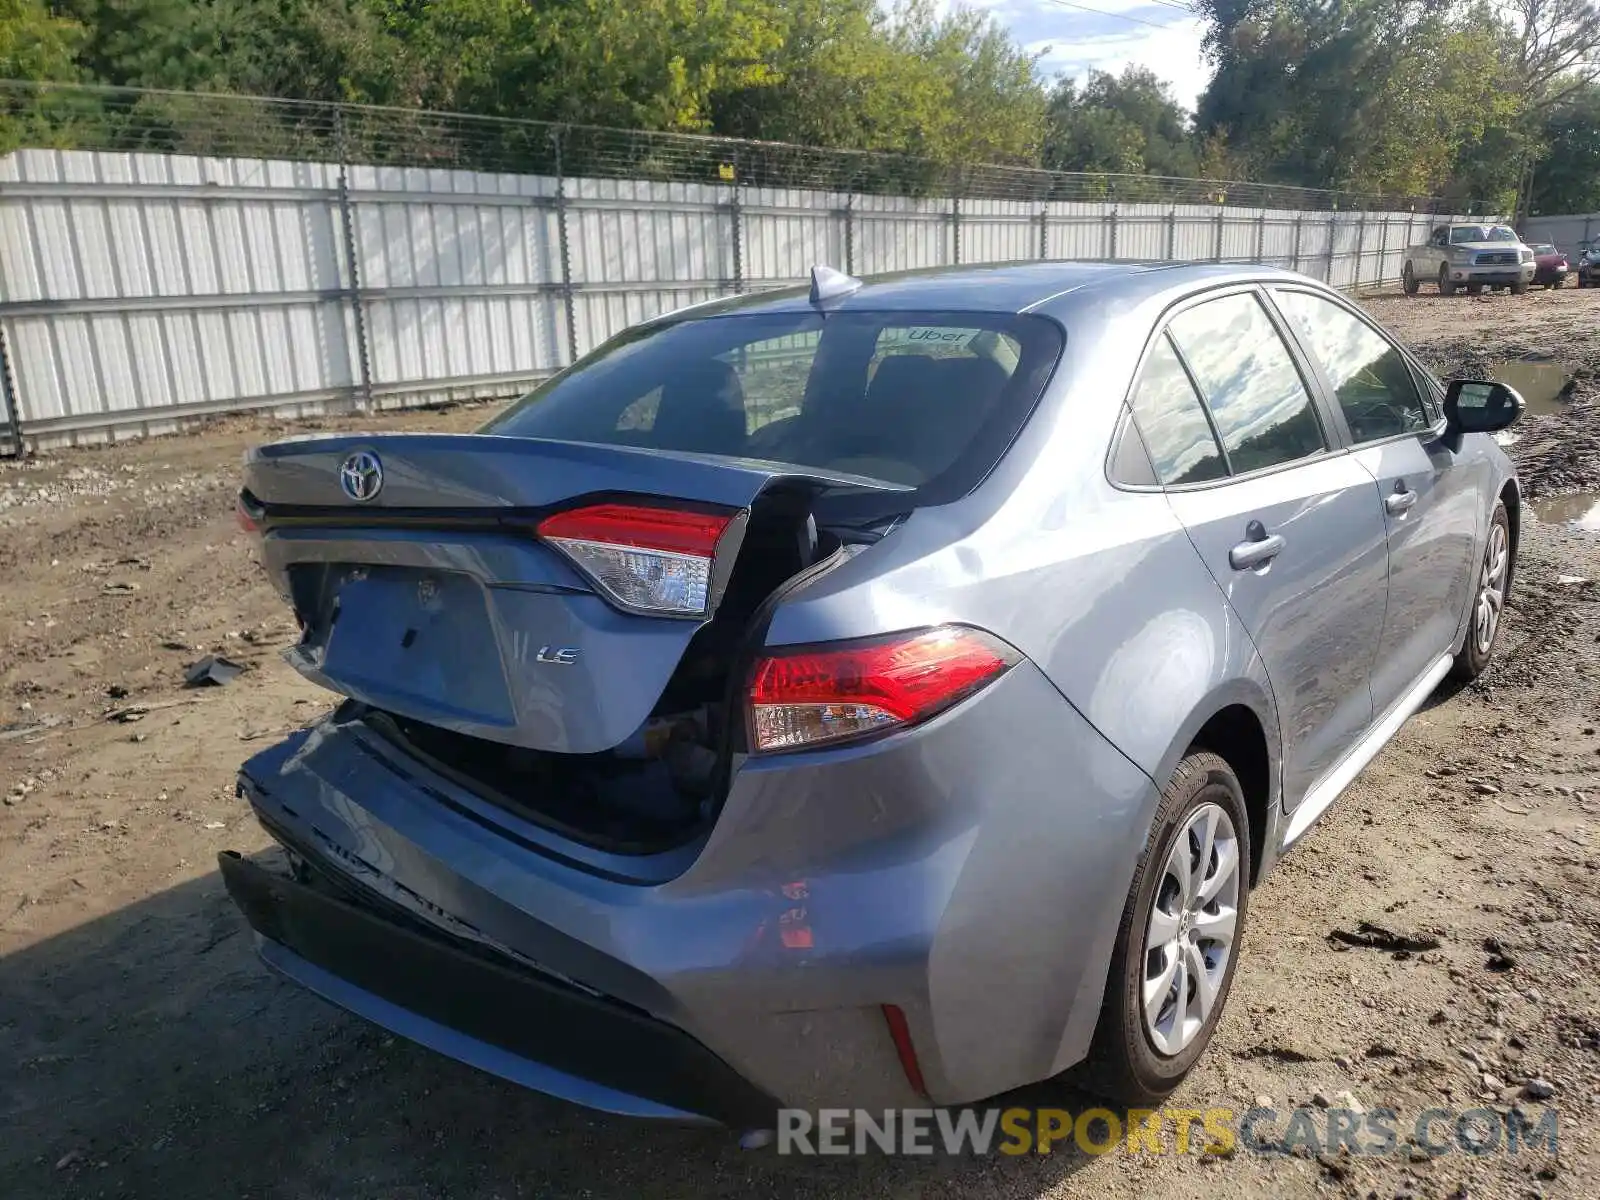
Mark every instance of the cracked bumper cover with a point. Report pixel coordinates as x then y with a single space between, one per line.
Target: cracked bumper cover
977 892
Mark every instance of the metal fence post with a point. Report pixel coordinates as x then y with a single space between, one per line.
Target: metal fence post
735 211
1380 275
1044 233
1261 236
1172 233
955 229
1333 237
1113 219
10 402
850 234
569 302
1299 227
1216 255
358 308
1361 249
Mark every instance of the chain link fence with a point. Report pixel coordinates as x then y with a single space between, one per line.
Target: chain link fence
82 117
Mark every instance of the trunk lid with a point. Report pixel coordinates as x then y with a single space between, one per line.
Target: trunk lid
423 587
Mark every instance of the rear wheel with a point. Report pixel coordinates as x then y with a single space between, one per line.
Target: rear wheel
1446 288
1474 289
1408 279
1179 939
1488 604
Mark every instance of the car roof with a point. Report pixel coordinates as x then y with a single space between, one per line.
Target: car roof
1008 288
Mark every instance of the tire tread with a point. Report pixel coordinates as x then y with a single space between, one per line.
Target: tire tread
1107 1071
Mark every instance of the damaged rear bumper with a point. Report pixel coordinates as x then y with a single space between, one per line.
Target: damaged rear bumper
491 1015
969 879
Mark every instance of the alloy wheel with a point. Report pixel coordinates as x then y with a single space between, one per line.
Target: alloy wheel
1190 934
1492 590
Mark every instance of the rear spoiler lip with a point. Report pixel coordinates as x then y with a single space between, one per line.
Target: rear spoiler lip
514 477
776 470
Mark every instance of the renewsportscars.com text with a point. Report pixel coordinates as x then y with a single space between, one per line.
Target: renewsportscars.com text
1217 1131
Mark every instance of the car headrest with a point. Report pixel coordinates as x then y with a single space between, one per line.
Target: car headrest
701 409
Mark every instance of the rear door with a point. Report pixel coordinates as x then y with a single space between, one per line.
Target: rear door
1292 533
1430 501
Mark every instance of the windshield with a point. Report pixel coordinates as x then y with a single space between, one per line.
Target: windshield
1462 234
922 399
1544 248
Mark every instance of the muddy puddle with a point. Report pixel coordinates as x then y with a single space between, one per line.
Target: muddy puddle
1580 510
1539 382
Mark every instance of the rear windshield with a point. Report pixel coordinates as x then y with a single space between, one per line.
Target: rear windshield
928 400
1544 248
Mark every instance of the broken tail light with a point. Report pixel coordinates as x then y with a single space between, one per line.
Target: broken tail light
248 512
824 694
643 558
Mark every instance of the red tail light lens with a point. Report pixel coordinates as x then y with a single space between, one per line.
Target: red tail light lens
826 694
246 514
644 558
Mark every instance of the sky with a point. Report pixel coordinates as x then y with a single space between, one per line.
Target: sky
1073 41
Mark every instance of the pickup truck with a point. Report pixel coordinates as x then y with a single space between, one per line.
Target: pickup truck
1473 256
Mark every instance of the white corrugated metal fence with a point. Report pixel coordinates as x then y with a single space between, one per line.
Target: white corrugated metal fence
138 291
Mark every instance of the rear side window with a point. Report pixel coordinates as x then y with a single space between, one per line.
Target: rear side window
1173 423
1261 407
927 400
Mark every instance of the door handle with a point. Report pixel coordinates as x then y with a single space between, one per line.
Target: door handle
1399 500
1258 548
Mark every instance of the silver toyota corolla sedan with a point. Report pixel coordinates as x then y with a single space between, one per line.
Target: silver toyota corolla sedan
862 697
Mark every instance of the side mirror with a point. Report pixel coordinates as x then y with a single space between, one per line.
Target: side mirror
1480 406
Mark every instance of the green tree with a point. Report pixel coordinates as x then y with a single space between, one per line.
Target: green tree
38 46
1125 123
908 81
36 43
1568 179
1382 96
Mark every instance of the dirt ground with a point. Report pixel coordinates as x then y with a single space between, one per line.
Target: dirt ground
144 1052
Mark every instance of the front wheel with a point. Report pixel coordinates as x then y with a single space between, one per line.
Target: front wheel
1519 287
1488 603
1178 942
1446 288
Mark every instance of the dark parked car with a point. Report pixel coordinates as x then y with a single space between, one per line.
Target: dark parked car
885 695
1550 266
1589 267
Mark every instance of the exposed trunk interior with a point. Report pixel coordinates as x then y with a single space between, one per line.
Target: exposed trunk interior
664 784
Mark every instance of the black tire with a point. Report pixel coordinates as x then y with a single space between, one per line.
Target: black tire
1474 657
1518 288
1475 289
1124 1065
1446 288
1408 279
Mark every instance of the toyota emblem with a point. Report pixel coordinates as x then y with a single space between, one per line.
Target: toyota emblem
361 475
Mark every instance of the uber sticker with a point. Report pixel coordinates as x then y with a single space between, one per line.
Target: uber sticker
927 335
